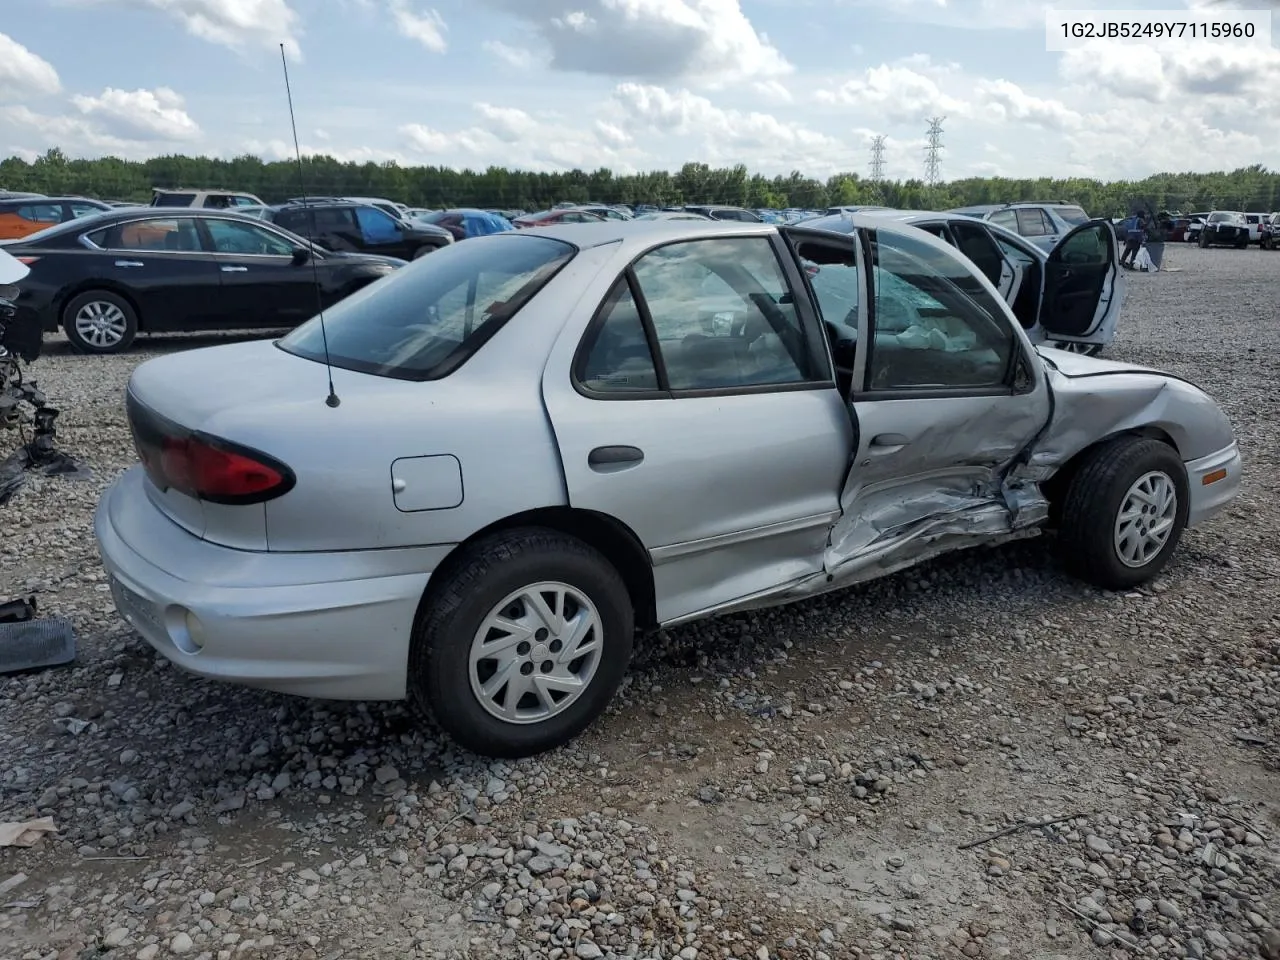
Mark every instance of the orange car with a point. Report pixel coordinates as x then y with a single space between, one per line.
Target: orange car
25 215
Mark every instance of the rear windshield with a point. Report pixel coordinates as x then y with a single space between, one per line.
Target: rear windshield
425 320
173 200
1073 215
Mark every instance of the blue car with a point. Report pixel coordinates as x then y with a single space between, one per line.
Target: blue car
465 222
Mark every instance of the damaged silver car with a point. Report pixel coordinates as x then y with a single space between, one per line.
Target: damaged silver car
472 482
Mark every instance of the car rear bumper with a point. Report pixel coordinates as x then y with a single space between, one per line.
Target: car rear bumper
1214 482
331 625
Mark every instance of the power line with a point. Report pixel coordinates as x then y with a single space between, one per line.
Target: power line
933 152
877 158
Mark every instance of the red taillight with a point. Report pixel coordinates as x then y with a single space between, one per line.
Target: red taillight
219 472
27 260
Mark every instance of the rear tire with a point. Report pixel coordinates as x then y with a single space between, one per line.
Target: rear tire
99 321
1124 512
470 635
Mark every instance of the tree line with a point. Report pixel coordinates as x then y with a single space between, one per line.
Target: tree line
1250 189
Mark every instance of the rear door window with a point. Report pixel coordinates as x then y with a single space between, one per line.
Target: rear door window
174 200
43 213
158 234
1032 222
1073 215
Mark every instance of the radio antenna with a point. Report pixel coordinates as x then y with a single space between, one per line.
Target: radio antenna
332 399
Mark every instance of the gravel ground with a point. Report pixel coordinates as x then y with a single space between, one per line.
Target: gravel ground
817 781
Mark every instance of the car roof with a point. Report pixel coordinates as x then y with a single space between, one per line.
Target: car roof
43 199
638 235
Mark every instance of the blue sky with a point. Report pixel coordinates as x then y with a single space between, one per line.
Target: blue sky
629 84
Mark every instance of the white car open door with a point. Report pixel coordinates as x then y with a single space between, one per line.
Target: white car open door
1084 288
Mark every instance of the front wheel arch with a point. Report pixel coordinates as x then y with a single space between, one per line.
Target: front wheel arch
1055 488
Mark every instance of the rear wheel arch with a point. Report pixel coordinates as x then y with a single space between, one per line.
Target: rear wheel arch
612 538
97 284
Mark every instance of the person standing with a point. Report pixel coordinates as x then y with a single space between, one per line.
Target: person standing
1135 234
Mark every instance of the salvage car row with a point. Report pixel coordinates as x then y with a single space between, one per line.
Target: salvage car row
107 277
353 478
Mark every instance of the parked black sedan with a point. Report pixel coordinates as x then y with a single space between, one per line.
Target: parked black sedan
350 226
107 277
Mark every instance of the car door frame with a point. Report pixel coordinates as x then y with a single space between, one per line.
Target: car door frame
158 304
270 309
1009 272
717 568
940 498
1109 298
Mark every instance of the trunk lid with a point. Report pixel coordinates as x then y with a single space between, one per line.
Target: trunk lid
246 393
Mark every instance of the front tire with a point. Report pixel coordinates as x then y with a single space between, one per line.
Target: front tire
423 251
99 321
524 643
1124 512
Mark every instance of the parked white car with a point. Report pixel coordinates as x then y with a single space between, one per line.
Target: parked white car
534 443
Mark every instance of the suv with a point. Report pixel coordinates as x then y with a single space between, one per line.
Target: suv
1043 222
1269 233
23 216
358 227
398 210
1225 228
208 199
1254 222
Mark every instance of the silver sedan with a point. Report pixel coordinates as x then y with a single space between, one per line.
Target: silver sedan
472 482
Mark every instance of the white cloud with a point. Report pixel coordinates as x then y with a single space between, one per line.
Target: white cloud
708 41
895 92
23 74
140 115
33 133
774 91
1002 101
284 150
517 57
426 27
233 23
515 138
729 136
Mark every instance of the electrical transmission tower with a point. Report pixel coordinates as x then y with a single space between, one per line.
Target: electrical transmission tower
933 152
877 159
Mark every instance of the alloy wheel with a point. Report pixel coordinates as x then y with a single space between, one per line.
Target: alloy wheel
1146 519
101 324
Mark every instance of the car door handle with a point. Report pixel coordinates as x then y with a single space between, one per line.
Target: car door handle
129 263
606 457
889 440
235 269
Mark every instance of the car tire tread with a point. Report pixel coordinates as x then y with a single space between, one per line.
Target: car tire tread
1094 495
473 582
